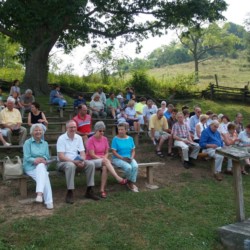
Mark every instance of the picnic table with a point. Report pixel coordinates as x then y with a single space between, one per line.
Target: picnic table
237 154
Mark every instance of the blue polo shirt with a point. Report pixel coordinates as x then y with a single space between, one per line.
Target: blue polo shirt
210 137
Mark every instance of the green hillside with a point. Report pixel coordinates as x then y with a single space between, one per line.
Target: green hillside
230 72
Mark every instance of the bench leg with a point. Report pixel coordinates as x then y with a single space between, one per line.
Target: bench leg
23 187
136 139
150 176
113 131
61 112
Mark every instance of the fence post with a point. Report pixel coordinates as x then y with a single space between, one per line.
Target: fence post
245 91
211 86
216 80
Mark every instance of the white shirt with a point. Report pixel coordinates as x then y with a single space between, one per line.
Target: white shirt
149 111
69 147
130 112
97 105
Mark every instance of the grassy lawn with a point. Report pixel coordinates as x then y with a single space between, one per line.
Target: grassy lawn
184 215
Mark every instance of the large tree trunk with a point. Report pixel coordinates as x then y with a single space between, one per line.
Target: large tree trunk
36 69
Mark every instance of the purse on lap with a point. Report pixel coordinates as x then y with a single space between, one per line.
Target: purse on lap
12 169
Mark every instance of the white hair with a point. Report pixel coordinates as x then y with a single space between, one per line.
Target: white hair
11 99
28 91
33 126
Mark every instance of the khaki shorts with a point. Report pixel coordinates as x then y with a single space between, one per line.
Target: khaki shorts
160 134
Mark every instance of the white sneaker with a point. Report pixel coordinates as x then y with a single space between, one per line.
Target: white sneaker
49 206
134 189
7 144
39 199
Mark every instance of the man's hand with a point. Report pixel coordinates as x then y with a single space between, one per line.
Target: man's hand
79 164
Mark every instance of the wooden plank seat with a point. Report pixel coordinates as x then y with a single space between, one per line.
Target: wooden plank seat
60 124
23 179
62 111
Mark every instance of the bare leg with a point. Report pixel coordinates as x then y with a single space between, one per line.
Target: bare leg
103 179
111 169
2 139
160 143
137 127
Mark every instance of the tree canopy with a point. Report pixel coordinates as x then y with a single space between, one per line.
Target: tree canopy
38 25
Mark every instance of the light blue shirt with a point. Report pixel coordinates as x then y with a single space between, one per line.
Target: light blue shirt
123 146
33 150
192 123
244 138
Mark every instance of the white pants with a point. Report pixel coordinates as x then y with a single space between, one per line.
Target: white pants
41 177
140 119
185 148
218 158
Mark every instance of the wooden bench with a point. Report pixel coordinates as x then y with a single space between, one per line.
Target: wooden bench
60 124
68 108
23 179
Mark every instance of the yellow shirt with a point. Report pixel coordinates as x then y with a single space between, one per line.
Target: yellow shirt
139 107
158 125
10 117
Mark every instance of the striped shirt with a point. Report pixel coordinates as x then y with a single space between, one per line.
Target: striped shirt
180 130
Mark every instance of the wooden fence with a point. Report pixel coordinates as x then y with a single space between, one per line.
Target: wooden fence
226 93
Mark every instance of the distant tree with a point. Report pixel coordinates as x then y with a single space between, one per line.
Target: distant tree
38 25
169 54
200 41
247 40
8 53
101 61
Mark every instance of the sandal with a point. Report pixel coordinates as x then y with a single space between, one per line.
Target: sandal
103 195
171 154
244 172
160 154
123 182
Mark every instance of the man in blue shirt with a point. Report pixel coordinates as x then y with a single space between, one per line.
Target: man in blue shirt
194 120
167 114
209 141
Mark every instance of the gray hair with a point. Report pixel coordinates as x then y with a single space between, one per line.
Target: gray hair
33 126
99 126
11 99
28 91
214 122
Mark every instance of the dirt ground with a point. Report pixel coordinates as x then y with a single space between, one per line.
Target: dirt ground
12 206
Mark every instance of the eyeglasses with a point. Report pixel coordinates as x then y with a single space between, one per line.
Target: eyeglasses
101 131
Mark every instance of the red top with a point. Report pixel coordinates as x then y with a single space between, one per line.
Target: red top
84 125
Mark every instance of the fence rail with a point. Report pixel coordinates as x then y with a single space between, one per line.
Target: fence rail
226 93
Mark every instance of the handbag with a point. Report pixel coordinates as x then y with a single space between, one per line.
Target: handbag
12 169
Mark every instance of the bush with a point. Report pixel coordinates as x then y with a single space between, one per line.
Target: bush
142 83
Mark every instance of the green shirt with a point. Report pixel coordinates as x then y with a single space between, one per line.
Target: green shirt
113 103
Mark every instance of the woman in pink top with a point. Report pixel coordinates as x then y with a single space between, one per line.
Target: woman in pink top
97 151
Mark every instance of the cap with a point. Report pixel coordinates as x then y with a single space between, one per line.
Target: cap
119 97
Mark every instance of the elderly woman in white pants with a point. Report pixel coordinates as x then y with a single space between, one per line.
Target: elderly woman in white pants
36 155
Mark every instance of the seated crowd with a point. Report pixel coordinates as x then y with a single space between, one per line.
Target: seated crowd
80 149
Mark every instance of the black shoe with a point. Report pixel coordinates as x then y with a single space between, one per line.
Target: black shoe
69 197
90 195
186 164
190 163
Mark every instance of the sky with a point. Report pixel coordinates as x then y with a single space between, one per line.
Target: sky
236 13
